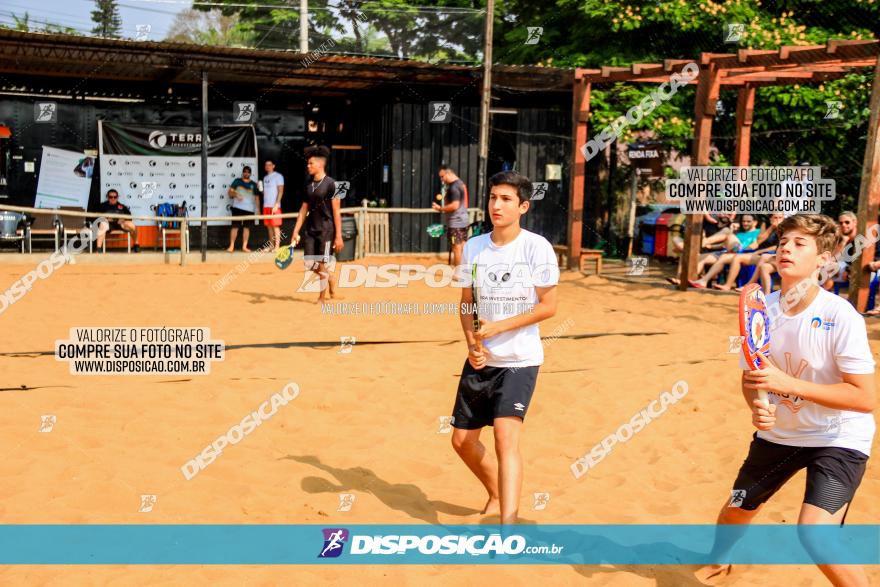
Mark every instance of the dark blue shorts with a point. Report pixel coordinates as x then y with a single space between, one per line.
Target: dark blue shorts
492 392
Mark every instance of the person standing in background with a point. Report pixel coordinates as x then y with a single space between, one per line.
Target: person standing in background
273 190
454 205
244 202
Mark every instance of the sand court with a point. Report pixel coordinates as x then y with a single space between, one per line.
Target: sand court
368 419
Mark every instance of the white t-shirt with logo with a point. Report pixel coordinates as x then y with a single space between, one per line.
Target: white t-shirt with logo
506 280
270 188
818 344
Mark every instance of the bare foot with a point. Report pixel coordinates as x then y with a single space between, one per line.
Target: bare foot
246 250
336 296
230 249
492 508
722 286
713 574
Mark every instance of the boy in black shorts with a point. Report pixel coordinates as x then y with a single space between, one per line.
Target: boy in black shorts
516 277
819 413
322 219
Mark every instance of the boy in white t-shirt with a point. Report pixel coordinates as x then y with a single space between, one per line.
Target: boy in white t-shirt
821 395
515 276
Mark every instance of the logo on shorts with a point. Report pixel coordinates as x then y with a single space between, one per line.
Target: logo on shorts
737 497
518 406
334 540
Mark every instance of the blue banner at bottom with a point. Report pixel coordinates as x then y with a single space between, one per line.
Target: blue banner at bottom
422 544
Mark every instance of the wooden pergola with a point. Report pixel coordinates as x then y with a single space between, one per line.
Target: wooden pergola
746 69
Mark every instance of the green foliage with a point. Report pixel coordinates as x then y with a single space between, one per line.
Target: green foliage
790 123
107 21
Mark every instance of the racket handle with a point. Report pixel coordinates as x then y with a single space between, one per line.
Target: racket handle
762 395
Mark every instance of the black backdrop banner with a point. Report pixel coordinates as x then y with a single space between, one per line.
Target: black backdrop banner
170 141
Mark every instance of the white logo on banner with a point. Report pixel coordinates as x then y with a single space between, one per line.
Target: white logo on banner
157 139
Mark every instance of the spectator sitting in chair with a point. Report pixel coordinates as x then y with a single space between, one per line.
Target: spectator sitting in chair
734 242
114 206
767 241
848 226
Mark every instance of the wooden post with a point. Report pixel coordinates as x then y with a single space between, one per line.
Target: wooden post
704 112
869 200
576 183
485 102
204 152
745 106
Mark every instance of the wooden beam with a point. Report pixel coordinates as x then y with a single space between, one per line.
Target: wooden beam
869 201
707 96
745 106
580 115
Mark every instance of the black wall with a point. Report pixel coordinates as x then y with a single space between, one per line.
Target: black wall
386 132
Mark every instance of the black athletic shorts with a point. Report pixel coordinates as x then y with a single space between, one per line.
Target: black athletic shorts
833 474
492 392
239 212
315 245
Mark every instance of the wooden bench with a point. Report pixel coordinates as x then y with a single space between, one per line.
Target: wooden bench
586 256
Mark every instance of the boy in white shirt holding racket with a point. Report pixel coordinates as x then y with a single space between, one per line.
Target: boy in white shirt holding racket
820 381
514 274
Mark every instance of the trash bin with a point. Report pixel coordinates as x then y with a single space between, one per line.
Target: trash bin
661 234
648 232
349 239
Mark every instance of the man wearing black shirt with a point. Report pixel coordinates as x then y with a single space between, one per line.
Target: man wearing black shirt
320 215
114 206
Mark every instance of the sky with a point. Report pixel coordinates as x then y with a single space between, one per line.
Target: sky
159 14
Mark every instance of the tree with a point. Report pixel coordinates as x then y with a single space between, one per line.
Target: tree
107 21
208 28
447 30
791 123
22 23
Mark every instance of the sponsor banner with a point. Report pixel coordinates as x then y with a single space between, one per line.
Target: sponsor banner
151 165
435 544
172 141
65 179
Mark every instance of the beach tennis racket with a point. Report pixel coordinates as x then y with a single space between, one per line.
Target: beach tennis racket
475 293
754 327
436 230
284 257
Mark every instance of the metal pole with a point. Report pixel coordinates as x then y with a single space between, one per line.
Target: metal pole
204 170
303 26
484 105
